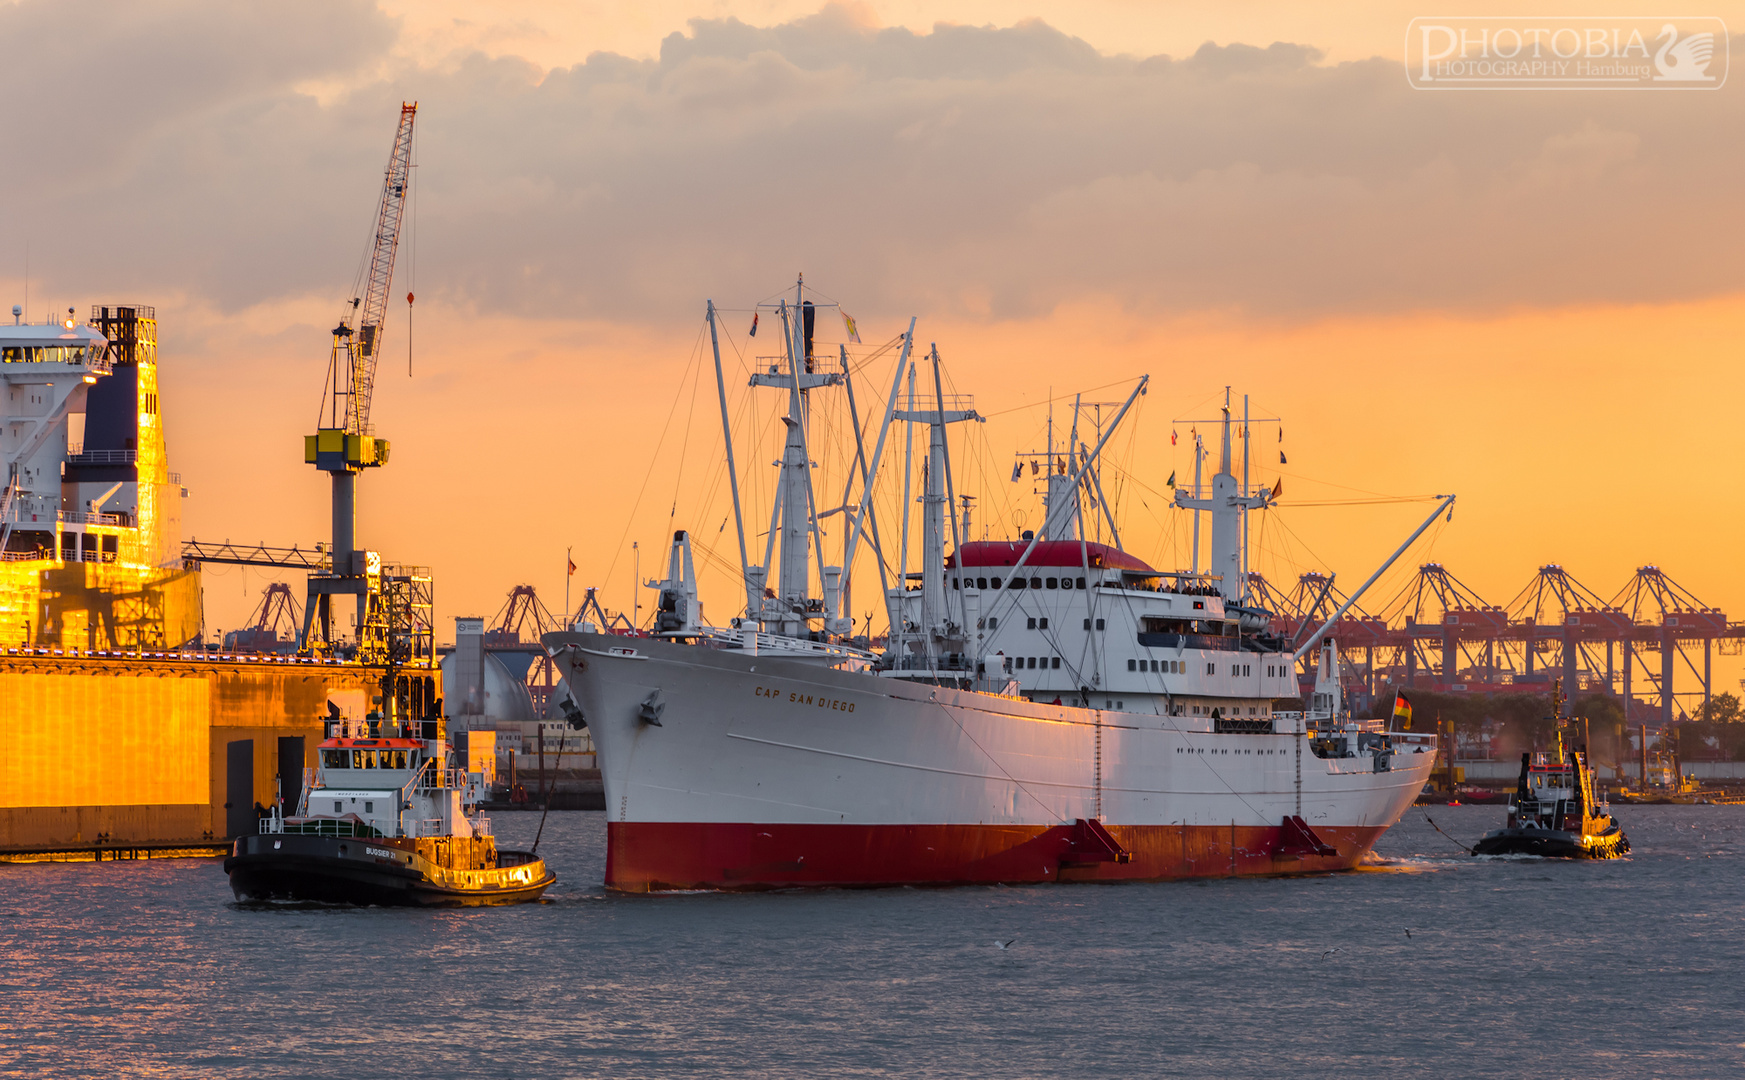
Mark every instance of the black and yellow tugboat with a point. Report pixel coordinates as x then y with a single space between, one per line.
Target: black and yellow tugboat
390 818
1554 813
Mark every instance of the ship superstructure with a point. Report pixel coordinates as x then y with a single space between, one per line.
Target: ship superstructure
90 514
1049 707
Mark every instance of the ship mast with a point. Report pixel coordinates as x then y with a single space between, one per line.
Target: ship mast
794 513
1228 505
936 630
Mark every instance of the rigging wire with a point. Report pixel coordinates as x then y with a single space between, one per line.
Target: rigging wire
653 459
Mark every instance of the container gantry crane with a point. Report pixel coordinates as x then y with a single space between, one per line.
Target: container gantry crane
345 443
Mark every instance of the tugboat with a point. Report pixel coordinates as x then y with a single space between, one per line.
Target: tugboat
1554 813
390 818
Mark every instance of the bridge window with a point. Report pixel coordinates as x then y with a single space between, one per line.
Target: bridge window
993 583
1015 583
1036 583
1081 583
1053 583
981 583
335 759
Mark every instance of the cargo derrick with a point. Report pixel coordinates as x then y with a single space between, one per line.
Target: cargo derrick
345 444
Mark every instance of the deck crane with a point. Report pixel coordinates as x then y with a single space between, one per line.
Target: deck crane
345 443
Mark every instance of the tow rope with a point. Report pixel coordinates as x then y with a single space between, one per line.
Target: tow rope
1438 828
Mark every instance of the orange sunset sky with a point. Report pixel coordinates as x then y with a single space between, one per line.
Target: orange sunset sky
1529 298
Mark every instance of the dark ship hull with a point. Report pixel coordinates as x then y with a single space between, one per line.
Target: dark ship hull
1554 843
388 873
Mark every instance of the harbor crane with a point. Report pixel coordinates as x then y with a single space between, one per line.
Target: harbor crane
345 443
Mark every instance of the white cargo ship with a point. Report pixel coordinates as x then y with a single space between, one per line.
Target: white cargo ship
1047 709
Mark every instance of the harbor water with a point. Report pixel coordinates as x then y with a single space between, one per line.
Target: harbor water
1426 963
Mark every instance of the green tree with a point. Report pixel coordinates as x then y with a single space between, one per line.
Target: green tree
1723 708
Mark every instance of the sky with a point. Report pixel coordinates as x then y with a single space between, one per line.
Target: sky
1531 299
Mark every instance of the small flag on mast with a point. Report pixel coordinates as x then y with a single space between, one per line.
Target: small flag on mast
753 324
1403 712
572 563
848 322
1278 488
1281 458
1172 436
1172 479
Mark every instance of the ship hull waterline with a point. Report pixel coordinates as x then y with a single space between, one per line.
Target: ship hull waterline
363 871
727 770
1553 843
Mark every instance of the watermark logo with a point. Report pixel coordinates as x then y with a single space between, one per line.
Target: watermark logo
1649 52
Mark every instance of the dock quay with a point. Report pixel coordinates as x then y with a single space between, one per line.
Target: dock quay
145 754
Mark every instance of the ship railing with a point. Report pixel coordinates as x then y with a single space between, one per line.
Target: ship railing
439 779
24 511
1425 737
736 638
415 828
82 456
341 827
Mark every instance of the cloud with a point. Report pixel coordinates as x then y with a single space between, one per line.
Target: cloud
985 171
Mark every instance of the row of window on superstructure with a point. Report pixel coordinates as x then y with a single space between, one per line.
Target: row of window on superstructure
1180 667
1031 663
1020 583
364 759
44 354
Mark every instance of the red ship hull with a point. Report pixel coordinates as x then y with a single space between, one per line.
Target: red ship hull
662 856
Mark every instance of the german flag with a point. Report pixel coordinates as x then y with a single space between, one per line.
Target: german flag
1402 713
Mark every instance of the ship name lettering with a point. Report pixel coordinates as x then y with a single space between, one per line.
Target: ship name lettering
797 698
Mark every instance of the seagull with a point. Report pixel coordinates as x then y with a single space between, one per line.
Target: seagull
1004 944
1408 932
1328 953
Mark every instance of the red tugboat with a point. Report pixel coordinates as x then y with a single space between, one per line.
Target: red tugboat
1554 813
391 819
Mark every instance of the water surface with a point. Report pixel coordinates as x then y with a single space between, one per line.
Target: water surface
1511 968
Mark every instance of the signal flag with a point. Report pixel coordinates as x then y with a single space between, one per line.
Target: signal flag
1403 712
